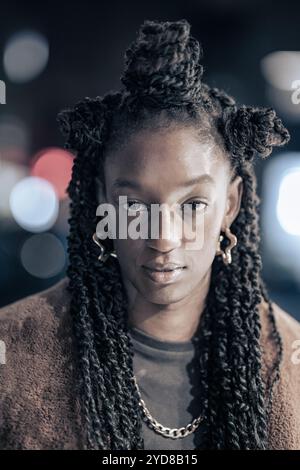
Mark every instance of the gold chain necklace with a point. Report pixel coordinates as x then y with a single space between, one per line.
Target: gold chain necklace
175 433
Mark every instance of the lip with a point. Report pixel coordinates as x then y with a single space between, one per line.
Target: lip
164 277
155 266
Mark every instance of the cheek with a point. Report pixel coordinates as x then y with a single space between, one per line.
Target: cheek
129 252
212 229
203 246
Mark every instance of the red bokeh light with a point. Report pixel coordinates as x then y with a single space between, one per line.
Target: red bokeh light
54 165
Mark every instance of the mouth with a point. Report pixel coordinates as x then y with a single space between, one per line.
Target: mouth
164 275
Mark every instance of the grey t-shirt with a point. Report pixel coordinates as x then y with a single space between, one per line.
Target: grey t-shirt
166 373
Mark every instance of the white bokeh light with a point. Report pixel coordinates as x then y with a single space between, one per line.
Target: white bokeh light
25 56
280 215
281 68
34 204
288 207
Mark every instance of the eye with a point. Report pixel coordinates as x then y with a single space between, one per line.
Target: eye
196 205
134 206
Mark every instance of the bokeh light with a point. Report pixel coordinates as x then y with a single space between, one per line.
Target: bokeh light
280 214
34 204
282 100
43 255
25 56
281 68
54 165
288 207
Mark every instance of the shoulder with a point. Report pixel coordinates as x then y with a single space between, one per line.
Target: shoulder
40 308
36 368
288 328
27 324
287 324
285 415
35 304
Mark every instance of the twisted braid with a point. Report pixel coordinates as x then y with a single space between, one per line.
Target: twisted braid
163 86
162 65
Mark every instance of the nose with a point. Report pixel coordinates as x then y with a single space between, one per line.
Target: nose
166 231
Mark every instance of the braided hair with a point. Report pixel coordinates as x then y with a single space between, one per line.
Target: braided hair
162 85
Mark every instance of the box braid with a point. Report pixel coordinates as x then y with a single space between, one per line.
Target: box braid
162 86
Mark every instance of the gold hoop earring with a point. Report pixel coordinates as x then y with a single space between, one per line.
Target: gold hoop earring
226 255
103 255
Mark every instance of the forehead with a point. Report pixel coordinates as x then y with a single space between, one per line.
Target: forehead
167 157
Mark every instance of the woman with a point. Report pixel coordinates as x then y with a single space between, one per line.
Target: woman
200 347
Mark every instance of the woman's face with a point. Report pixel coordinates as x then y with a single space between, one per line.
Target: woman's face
171 167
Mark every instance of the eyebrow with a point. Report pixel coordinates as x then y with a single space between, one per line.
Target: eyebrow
126 183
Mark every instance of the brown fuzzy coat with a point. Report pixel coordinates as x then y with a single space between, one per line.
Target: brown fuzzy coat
39 407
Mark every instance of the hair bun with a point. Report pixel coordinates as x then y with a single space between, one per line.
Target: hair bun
254 130
84 124
162 65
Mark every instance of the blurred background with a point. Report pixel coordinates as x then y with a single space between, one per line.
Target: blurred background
53 54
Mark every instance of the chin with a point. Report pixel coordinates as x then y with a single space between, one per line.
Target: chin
163 295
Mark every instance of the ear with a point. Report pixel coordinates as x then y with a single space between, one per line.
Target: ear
233 203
